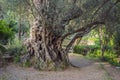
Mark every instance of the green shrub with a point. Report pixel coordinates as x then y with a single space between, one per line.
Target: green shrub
5 32
93 48
78 49
17 58
27 64
109 56
112 58
116 40
85 49
16 49
2 48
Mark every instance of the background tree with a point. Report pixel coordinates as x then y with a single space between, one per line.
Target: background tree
17 11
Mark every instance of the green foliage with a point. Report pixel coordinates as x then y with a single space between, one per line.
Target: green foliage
95 54
16 49
12 25
93 51
112 58
109 56
117 40
5 32
15 26
94 48
2 48
84 49
78 49
27 64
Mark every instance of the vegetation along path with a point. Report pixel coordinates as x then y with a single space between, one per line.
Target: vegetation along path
87 70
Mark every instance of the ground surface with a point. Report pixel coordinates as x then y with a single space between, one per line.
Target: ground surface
88 70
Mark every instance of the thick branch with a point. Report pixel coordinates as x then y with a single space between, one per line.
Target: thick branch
83 29
81 32
72 41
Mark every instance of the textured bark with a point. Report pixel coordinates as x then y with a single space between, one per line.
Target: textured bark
19 30
46 48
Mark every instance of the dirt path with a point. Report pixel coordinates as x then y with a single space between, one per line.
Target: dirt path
89 70
112 71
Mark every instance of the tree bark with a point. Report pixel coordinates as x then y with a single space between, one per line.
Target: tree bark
100 34
19 30
46 48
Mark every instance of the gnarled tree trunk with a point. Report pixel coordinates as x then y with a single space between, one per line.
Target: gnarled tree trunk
46 48
45 41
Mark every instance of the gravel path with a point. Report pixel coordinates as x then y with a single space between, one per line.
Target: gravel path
88 70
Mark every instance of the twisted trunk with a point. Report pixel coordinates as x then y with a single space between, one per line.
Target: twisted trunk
46 48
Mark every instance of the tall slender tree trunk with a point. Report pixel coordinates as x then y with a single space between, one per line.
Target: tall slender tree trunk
19 30
20 25
100 33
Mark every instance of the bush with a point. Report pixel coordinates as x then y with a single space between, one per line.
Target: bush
112 58
2 48
5 32
109 56
27 63
16 49
85 49
78 49
93 48
94 52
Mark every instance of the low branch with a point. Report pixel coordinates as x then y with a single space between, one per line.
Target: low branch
72 41
79 35
81 32
83 29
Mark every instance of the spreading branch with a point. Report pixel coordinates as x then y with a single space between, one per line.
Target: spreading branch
72 41
84 29
81 32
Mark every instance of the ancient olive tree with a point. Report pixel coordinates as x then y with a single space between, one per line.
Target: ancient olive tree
53 17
